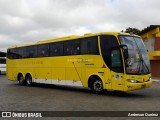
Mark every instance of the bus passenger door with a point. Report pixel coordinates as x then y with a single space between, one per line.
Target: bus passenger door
117 72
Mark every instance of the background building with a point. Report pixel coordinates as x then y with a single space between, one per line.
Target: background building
151 37
2 63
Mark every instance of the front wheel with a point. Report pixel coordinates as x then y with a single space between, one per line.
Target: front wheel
97 86
29 80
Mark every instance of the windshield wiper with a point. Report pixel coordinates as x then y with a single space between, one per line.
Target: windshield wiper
142 63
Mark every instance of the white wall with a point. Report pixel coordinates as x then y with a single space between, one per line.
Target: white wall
150 43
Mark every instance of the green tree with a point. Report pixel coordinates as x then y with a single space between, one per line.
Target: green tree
132 30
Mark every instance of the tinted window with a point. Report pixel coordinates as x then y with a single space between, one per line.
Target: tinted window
43 50
2 61
16 53
10 54
89 45
31 52
107 43
21 52
116 62
56 49
72 47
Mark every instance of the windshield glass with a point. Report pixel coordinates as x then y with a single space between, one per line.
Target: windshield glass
138 61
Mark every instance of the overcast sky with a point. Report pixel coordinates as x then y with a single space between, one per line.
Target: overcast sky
28 21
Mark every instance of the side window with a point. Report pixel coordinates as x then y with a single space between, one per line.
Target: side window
2 61
89 45
43 50
116 62
107 42
56 49
112 58
68 47
12 53
15 53
21 52
72 47
116 58
76 47
18 53
31 52
9 54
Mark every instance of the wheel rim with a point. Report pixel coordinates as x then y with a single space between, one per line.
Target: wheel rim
29 81
21 79
97 86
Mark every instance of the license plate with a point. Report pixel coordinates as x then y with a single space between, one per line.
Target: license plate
143 86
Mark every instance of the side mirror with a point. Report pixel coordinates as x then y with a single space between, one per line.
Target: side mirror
124 48
125 51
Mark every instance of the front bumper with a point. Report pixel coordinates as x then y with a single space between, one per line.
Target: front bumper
136 86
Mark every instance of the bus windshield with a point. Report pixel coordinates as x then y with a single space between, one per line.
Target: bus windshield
137 61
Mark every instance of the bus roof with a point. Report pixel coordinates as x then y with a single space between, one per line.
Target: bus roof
76 37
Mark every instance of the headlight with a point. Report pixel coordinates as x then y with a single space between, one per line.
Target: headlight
150 79
132 81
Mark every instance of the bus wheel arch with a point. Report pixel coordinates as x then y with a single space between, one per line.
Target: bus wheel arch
95 83
21 79
28 79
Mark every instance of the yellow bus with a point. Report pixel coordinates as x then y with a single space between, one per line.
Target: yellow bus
101 61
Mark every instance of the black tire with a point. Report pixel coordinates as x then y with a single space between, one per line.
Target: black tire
21 80
97 85
29 80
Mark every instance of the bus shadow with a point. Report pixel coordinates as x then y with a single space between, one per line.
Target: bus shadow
88 91
126 94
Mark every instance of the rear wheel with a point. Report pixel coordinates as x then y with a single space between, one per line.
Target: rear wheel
97 86
21 80
29 80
